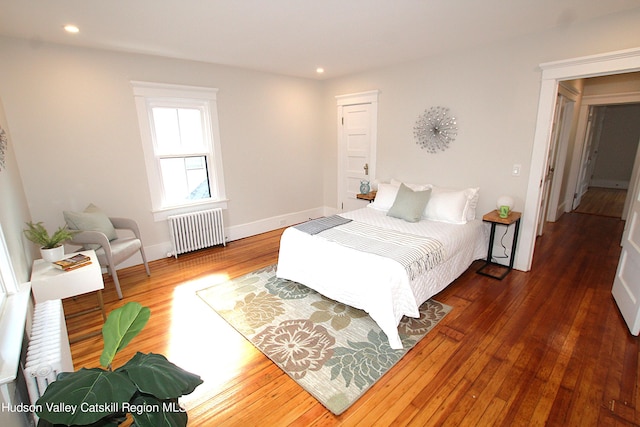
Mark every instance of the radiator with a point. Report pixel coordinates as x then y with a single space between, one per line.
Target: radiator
48 352
196 230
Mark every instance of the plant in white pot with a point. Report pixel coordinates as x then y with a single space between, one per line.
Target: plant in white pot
51 246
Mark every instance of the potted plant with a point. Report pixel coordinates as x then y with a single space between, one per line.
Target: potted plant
51 247
147 386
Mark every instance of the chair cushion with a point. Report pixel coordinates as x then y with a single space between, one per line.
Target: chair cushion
92 219
121 249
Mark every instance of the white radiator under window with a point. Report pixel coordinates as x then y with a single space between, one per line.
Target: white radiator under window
197 230
48 352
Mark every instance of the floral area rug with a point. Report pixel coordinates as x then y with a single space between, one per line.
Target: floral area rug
335 352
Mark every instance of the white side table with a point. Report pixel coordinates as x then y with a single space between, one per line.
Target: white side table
49 282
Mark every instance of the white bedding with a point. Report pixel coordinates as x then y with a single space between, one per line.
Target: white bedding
373 283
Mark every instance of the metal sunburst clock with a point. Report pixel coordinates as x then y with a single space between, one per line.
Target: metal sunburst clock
435 129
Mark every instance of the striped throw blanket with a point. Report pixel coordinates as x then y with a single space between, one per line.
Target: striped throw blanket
417 254
318 225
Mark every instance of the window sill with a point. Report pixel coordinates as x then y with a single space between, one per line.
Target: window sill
163 214
12 327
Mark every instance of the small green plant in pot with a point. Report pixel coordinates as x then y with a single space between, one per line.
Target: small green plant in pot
147 386
51 248
39 235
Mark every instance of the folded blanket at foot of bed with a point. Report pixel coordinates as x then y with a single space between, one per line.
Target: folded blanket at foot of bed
417 254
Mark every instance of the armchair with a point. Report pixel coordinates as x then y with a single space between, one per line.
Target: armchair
115 251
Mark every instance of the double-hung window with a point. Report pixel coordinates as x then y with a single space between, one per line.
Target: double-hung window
181 143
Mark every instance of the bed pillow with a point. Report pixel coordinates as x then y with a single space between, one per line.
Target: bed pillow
385 197
452 206
92 219
409 205
414 187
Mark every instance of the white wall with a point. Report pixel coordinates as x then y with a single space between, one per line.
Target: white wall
617 146
492 90
14 211
78 142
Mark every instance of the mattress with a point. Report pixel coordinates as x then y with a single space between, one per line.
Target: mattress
377 284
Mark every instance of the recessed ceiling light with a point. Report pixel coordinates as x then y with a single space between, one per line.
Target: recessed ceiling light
319 70
71 29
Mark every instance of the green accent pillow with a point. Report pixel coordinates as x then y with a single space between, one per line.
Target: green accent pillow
409 204
92 219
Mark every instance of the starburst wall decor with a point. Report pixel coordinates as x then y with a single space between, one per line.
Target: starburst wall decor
435 129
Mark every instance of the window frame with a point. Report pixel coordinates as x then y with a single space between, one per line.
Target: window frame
149 95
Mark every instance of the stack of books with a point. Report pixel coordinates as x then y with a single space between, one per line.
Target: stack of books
71 263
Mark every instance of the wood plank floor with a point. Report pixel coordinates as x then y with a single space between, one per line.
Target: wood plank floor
547 347
603 201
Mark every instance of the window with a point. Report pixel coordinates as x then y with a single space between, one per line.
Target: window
180 137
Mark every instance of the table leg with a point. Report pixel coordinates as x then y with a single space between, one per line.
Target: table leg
101 304
491 239
513 244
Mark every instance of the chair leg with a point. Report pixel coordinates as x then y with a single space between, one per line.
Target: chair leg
144 261
114 276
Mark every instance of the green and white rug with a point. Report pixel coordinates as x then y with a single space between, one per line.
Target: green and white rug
335 352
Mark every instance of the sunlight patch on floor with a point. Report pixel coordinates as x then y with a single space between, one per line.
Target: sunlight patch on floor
201 341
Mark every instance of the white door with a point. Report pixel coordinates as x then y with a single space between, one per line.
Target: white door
357 116
551 162
589 152
565 125
626 285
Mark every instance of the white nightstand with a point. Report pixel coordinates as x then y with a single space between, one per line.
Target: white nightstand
49 282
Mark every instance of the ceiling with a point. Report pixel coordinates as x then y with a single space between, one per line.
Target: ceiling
294 37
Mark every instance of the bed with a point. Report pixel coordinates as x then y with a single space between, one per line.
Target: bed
384 286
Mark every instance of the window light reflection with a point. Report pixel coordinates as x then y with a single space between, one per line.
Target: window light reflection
201 341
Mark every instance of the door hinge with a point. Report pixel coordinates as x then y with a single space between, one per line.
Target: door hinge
575 196
342 121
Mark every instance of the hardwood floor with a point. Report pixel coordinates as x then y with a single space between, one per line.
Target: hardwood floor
603 201
547 347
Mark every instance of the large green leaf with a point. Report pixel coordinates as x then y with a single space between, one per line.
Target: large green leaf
147 411
155 375
85 396
122 325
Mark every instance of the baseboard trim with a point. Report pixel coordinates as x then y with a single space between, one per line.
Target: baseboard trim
236 232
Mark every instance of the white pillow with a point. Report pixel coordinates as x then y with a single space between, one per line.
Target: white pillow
452 206
385 197
414 187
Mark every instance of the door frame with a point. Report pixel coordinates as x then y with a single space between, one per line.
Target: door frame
371 98
624 61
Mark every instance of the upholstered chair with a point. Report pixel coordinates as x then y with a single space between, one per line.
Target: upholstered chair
111 249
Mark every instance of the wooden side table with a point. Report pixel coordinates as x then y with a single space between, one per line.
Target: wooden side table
494 218
370 196
49 283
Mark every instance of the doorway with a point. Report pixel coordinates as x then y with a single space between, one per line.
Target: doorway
611 63
609 149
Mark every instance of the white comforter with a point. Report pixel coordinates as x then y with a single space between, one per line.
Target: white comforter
373 283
